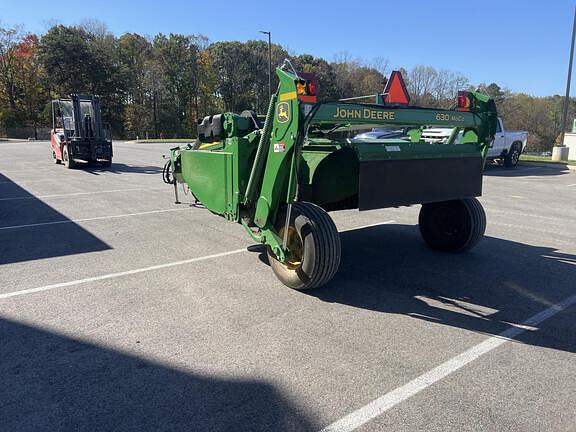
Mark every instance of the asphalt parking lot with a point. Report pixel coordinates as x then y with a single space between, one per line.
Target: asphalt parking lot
120 310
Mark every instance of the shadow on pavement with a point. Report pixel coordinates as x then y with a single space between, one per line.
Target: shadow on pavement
120 168
389 269
53 382
524 170
32 243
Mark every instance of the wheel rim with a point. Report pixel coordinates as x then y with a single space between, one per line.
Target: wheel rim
515 157
295 248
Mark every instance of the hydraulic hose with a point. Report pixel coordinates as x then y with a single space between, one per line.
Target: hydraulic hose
261 153
167 173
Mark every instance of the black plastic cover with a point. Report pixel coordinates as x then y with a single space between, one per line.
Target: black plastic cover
391 183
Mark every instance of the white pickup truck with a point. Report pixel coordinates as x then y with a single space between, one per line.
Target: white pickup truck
507 145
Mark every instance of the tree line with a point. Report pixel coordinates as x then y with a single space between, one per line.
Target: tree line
157 87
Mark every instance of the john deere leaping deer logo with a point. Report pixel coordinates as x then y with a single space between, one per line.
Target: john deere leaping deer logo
283 112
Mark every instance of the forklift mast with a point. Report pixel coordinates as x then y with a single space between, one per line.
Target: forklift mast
79 116
78 134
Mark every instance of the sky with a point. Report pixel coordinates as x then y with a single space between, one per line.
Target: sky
520 45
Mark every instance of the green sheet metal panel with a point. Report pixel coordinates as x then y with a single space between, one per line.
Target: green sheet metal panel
209 176
330 173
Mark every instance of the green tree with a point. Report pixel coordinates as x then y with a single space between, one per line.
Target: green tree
134 55
258 71
323 71
137 120
233 67
75 61
179 59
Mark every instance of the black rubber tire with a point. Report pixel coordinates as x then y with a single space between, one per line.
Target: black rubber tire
452 226
68 162
512 157
320 243
55 159
106 164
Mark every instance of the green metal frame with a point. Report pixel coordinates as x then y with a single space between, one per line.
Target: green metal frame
248 178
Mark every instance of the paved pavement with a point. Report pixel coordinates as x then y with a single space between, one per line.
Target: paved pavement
122 311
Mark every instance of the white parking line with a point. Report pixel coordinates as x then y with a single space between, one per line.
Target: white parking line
77 193
141 270
119 274
379 406
65 221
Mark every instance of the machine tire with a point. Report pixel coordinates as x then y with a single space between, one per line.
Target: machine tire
55 159
320 248
68 162
106 164
452 226
512 157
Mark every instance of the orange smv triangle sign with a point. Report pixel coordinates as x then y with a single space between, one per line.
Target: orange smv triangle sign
395 91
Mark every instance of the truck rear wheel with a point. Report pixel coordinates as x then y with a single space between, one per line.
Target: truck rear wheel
512 157
452 226
314 250
68 161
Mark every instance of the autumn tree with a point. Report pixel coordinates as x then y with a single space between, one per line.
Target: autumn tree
31 83
9 41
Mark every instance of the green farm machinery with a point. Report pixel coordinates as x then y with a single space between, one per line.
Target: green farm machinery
280 179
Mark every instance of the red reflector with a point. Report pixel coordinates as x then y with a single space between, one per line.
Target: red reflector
311 83
464 101
312 88
395 90
308 98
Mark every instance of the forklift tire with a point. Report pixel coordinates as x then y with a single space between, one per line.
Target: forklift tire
68 162
452 226
106 164
313 248
56 160
512 157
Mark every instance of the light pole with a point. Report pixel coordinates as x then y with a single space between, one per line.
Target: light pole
561 152
269 62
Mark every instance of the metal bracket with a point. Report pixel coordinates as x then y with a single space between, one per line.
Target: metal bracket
269 237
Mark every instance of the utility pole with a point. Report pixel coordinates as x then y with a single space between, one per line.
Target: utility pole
269 62
562 153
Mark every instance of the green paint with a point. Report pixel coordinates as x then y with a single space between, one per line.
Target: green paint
250 175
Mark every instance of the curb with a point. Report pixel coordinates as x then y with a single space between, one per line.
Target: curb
551 165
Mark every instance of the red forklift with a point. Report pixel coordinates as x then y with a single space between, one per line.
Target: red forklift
78 135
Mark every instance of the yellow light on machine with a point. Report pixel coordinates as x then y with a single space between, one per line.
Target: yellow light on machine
301 87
